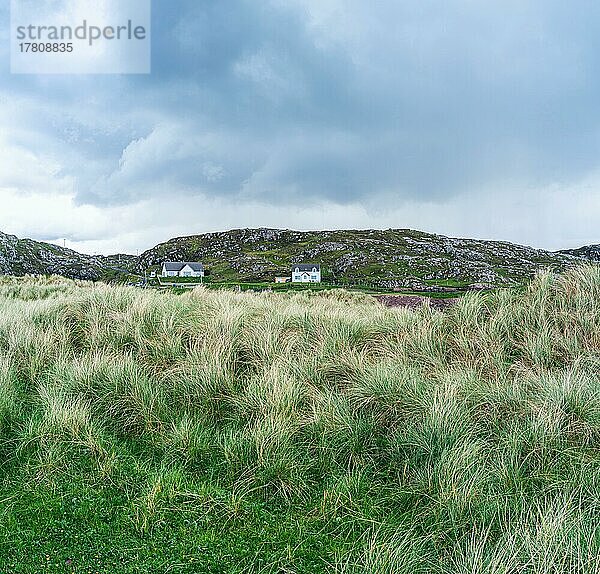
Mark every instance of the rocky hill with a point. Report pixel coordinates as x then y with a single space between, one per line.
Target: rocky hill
590 252
390 259
395 258
25 256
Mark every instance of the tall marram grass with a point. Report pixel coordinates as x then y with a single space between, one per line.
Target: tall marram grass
459 442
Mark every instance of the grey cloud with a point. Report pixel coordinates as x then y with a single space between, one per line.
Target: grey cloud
408 100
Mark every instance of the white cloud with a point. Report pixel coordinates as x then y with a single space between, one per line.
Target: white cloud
43 215
554 218
28 172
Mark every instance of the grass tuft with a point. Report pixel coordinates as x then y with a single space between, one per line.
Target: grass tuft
216 431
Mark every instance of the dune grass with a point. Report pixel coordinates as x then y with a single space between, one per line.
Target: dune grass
262 433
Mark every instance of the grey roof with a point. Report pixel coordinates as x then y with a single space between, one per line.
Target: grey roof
195 265
179 265
306 266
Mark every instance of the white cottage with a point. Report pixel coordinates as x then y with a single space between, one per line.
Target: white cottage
306 273
182 269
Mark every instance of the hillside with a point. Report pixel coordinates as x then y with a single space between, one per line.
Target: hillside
390 258
25 256
225 432
589 252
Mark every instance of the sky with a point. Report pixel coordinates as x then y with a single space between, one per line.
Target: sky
459 117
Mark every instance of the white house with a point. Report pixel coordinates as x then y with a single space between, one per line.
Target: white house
306 273
182 269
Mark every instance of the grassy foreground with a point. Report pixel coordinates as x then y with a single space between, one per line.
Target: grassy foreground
219 432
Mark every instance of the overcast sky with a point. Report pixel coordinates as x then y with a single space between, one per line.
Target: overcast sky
466 118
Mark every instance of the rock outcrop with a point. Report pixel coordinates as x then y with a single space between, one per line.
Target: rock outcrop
25 256
394 258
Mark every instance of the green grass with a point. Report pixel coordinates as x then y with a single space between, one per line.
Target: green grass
299 432
447 283
324 286
287 287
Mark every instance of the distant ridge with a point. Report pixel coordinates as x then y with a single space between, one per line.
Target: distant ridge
590 252
26 256
393 258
